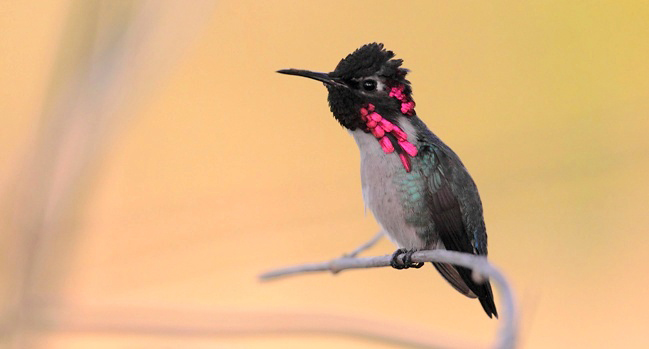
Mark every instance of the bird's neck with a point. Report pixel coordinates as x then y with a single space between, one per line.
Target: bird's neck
394 136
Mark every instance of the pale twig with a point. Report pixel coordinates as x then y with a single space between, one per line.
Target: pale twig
480 266
367 245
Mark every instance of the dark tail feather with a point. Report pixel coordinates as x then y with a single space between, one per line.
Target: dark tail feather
453 277
460 278
483 291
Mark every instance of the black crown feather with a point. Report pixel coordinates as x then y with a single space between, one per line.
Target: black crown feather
369 60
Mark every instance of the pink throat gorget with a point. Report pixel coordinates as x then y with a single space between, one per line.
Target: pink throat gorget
381 128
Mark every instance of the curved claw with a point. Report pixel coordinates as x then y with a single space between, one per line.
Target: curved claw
417 265
395 262
406 261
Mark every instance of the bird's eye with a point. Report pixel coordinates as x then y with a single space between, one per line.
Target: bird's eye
369 85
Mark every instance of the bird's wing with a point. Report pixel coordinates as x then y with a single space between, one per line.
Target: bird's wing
443 204
445 209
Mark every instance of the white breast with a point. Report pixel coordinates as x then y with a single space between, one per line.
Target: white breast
380 192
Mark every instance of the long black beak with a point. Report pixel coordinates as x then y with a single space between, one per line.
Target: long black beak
322 77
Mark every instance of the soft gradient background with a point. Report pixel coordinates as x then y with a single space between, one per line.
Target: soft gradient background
209 168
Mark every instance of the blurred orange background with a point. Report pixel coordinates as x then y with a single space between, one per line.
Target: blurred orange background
153 162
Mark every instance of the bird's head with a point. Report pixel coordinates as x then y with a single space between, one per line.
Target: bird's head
369 79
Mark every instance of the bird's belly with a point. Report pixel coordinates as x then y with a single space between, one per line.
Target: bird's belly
381 177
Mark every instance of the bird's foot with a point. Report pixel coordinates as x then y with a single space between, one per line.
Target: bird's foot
404 262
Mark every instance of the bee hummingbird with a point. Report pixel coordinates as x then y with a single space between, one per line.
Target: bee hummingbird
415 185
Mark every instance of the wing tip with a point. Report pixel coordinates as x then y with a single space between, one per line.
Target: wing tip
488 305
460 279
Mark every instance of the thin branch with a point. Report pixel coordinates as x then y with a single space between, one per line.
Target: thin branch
367 245
481 269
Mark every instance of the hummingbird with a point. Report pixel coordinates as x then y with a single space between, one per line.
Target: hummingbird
416 187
